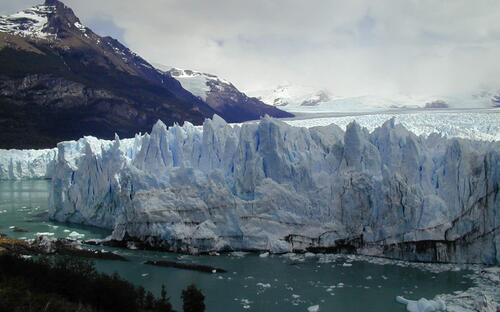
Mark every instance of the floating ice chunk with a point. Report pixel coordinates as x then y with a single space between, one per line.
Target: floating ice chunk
347 265
76 235
422 305
264 285
264 255
238 254
44 234
131 246
314 308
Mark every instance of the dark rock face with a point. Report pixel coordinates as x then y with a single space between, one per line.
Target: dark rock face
235 106
59 20
70 82
66 94
227 101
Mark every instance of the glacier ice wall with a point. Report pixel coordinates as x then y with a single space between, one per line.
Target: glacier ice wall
27 164
272 186
40 164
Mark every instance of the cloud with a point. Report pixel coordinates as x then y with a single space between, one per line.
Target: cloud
349 47
105 26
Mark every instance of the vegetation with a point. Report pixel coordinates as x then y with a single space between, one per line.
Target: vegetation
71 284
193 299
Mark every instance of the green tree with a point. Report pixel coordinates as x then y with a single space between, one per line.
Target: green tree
163 304
141 296
150 300
193 299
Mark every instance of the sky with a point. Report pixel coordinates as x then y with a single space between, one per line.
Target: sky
356 47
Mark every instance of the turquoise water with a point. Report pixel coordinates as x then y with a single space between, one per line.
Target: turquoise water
252 283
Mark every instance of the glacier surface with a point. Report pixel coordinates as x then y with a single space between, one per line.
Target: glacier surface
274 187
307 99
476 125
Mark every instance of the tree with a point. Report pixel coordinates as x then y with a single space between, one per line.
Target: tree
193 299
163 304
150 301
141 296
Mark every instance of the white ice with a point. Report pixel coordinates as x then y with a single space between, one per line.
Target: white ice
274 187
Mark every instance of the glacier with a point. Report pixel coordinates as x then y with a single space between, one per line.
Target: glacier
296 98
274 187
27 164
479 125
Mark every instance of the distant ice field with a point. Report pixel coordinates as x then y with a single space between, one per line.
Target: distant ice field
483 124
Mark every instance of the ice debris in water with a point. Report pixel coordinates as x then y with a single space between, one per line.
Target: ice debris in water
422 305
76 235
314 308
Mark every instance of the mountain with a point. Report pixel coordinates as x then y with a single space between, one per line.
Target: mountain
224 97
289 96
297 98
59 81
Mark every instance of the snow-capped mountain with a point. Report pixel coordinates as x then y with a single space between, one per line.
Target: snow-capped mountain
223 96
59 81
32 22
289 96
53 66
272 186
295 98
199 84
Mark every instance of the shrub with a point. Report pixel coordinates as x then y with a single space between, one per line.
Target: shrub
68 284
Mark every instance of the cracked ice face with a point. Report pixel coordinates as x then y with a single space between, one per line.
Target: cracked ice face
271 186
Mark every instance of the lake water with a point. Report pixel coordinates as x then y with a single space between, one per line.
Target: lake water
253 283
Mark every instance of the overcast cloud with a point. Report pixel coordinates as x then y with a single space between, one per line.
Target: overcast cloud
349 47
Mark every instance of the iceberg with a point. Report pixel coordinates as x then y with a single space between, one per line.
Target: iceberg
422 305
272 187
